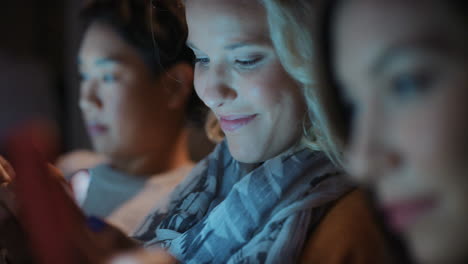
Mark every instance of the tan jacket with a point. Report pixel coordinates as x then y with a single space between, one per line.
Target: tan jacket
347 234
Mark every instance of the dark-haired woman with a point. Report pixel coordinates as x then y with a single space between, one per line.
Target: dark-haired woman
136 94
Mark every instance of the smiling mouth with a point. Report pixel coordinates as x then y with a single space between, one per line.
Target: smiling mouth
234 122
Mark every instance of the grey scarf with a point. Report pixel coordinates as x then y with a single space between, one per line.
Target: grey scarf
230 212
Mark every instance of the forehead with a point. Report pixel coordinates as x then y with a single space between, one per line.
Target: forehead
386 21
98 35
367 28
219 21
102 45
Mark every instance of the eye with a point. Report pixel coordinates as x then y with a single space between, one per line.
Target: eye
83 76
409 85
249 63
108 78
202 61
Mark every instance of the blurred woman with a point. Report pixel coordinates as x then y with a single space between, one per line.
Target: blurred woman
136 95
396 97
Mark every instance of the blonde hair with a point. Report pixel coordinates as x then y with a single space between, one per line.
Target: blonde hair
291 30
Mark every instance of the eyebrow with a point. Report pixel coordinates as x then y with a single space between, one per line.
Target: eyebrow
425 43
105 61
238 45
233 46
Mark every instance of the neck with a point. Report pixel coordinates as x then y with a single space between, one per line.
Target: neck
156 161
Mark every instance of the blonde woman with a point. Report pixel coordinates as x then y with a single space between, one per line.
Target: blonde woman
268 193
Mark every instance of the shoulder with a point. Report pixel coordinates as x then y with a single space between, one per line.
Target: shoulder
348 233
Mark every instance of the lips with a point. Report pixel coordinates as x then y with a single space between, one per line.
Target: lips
401 215
96 129
231 123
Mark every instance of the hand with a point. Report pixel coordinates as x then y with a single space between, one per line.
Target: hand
64 235
7 174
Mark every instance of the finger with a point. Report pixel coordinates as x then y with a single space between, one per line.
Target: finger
5 178
7 168
58 175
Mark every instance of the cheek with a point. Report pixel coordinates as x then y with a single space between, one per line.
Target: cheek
198 84
120 107
110 98
261 94
271 89
436 139
201 82
117 115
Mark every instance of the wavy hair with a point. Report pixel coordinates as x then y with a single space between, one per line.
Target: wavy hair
291 24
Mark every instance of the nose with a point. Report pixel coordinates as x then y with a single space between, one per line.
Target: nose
89 96
370 154
214 86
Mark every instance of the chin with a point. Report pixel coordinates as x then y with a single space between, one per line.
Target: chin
245 153
243 157
101 147
437 249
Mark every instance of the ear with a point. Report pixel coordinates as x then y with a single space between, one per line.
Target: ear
179 80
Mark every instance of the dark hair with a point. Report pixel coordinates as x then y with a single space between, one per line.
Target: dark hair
156 29
339 116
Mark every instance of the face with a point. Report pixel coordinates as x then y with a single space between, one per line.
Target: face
123 104
238 75
403 66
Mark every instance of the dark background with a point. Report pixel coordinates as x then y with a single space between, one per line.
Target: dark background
38 79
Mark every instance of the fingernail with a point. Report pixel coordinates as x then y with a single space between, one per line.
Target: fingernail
95 224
